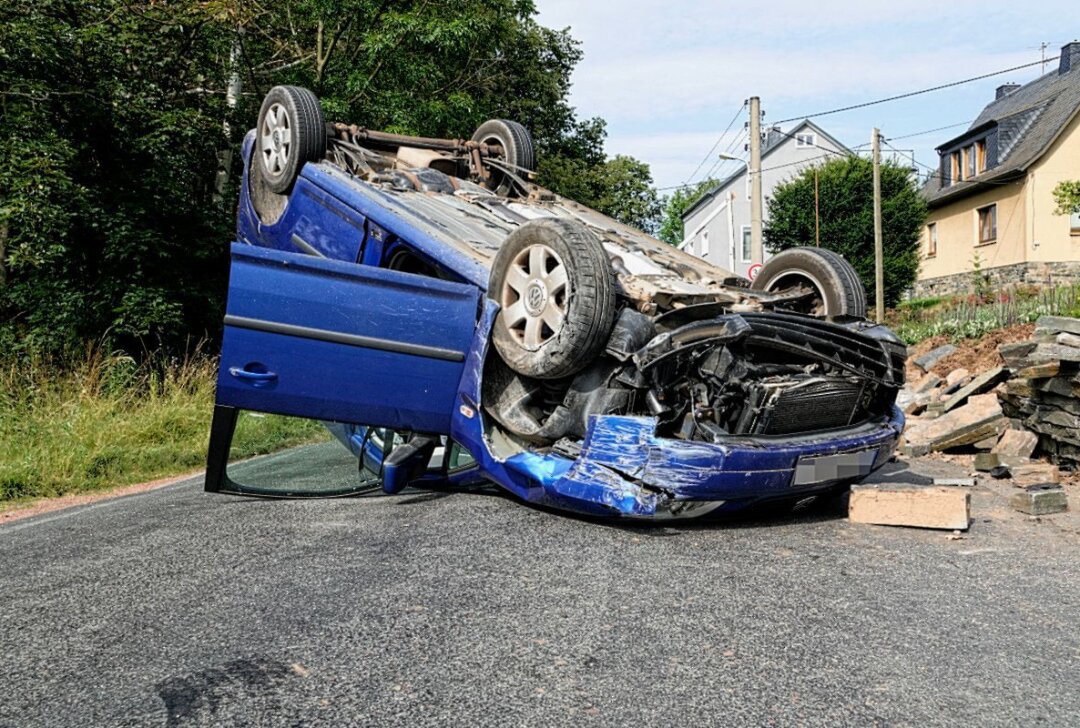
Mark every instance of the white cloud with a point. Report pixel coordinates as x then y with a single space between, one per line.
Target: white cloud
667 76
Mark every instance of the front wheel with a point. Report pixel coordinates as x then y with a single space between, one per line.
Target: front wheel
837 290
554 282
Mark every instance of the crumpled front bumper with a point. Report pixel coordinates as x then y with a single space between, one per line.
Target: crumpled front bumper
625 469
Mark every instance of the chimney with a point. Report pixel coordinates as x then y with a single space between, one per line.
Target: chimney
1070 57
1005 89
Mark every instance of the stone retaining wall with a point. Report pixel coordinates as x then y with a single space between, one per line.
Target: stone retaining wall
1006 276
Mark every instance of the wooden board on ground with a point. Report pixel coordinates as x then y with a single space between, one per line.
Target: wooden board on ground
915 506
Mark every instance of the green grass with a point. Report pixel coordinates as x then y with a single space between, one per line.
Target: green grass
971 317
106 421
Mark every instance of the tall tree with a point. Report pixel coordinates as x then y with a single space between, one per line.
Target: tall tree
846 206
114 217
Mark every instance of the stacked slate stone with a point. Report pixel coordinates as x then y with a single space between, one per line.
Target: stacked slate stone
1044 391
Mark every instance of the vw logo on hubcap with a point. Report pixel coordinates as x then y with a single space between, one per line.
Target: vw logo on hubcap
535 298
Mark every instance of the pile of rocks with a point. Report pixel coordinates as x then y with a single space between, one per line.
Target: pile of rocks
1044 391
1007 414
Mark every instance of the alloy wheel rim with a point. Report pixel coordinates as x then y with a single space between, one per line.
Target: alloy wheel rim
276 141
534 296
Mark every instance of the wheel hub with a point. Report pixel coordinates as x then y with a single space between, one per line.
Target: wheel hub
276 140
534 296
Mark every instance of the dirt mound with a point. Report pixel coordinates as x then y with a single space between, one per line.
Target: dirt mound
975 355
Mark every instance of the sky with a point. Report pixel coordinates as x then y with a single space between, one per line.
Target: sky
669 75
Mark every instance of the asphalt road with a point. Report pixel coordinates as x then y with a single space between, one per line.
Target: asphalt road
176 607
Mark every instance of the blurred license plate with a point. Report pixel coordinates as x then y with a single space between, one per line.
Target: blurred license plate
826 468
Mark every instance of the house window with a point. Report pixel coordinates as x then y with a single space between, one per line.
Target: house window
931 240
1074 223
705 244
955 159
980 156
806 139
987 224
746 244
969 155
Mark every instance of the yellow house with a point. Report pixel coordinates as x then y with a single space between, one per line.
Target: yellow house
991 202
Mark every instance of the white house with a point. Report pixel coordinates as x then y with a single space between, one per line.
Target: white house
717 226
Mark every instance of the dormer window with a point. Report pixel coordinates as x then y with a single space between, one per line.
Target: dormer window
980 156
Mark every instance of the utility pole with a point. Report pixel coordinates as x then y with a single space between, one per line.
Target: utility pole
817 211
757 252
879 252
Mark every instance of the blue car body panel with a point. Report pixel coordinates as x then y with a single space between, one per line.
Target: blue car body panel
316 328
342 341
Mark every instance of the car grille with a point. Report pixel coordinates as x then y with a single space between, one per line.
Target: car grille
818 405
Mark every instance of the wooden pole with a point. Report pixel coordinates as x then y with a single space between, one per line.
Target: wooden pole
817 211
757 251
879 254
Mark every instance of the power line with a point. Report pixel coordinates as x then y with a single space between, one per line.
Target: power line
721 161
919 92
718 140
930 131
937 173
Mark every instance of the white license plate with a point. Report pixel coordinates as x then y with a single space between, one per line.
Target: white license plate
841 466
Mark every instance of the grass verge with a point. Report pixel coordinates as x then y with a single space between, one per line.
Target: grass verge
107 421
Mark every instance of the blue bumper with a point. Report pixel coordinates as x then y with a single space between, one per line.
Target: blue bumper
625 469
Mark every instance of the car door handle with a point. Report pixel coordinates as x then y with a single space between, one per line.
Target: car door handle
241 373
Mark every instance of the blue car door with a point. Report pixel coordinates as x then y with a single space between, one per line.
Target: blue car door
312 337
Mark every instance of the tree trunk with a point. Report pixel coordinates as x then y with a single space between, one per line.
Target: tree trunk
232 95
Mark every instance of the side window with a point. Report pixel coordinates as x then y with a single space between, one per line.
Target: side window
745 249
931 240
987 224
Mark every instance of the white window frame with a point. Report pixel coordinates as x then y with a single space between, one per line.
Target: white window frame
703 251
805 140
1074 223
745 255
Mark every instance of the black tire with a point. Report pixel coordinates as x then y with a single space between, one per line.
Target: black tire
518 150
283 147
839 291
586 300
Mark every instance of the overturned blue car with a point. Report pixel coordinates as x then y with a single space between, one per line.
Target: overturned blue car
452 322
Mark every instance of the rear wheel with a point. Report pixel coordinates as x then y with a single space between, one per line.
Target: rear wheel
837 290
518 151
291 131
556 288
